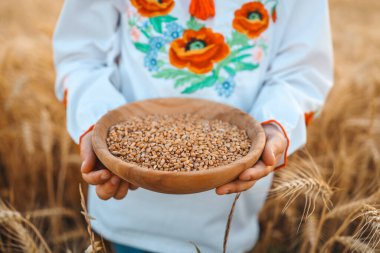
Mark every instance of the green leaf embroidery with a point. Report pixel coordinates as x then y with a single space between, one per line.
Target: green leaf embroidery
142 47
193 24
145 32
238 39
229 70
233 55
185 80
158 21
167 19
240 57
207 82
174 73
244 48
160 63
241 66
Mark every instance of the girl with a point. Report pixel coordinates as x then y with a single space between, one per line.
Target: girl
271 58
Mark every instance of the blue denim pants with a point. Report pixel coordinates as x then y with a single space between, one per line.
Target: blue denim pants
118 248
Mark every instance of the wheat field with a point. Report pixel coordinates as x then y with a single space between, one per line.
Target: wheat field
326 200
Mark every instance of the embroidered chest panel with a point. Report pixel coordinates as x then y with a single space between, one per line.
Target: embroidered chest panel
193 56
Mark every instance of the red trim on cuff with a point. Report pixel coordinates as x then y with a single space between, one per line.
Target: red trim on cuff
65 97
87 131
287 138
309 116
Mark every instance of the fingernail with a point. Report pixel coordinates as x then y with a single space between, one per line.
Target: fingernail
105 175
115 180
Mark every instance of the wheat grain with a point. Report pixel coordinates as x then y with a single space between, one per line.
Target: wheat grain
177 143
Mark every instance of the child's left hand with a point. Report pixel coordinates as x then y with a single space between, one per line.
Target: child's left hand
273 152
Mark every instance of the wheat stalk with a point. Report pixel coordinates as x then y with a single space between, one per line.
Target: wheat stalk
229 220
13 223
355 244
371 216
27 136
95 246
9 215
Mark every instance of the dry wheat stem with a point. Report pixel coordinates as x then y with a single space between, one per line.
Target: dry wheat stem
70 235
351 243
342 210
94 244
22 235
9 215
371 225
49 212
310 187
229 220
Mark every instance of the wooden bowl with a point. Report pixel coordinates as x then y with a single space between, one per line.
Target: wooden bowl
178 182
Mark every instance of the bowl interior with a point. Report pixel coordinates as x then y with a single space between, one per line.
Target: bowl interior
205 109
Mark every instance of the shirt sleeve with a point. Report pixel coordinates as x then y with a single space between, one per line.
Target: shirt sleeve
85 46
301 70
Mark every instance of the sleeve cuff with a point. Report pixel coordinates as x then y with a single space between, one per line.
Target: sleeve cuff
284 160
86 132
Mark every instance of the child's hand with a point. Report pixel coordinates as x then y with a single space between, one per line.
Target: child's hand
94 172
273 151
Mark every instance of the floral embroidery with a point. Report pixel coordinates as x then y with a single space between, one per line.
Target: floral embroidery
226 87
135 34
198 50
151 61
274 14
153 8
173 31
195 57
202 9
252 19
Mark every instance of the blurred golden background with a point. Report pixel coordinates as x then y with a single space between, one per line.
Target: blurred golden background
331 189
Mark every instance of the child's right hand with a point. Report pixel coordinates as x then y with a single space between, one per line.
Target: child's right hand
93 172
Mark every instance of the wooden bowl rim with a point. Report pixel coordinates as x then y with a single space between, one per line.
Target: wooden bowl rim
102 151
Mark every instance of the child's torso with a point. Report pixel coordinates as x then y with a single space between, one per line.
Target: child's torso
167 53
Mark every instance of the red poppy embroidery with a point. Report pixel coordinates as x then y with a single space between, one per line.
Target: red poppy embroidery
198 50
153 8
251 19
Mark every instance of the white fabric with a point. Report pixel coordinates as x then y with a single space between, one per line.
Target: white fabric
101 69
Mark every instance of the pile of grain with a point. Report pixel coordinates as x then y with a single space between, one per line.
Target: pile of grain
177 143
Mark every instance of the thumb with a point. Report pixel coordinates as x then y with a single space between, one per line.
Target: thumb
274 147
269 156
87 154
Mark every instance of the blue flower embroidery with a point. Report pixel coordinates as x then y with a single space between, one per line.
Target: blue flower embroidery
173 31
145 24
156 43
150 61
226 87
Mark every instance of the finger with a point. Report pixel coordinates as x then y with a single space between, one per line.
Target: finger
257 172
108 189
87 154
133 187
97 177
234 187
274 148
122 191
